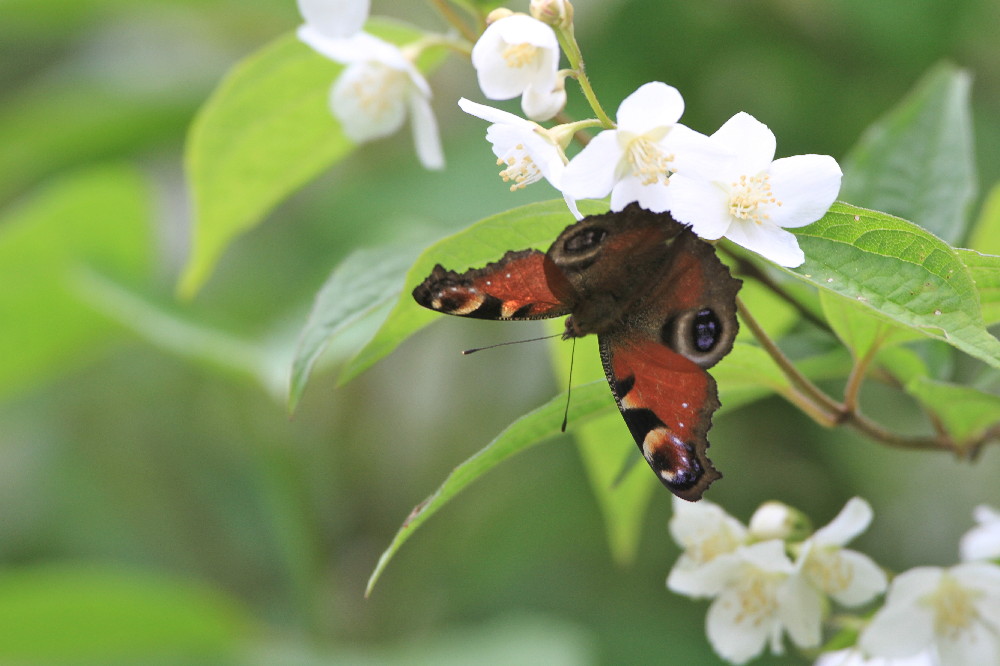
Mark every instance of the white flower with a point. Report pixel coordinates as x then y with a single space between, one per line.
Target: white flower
375 91
527 151
336 19
982 542
954 611
759 596
846 575
519 55
705 531
750 200
634 161
854 657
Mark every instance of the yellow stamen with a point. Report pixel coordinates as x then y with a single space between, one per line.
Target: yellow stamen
521 168
749 198
520 55
648 161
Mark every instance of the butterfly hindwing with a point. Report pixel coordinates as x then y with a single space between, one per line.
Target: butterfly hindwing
667 402
522 285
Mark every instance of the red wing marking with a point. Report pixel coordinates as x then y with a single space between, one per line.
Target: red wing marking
522 285
667 402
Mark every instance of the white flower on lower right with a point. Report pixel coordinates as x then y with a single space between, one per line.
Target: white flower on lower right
761 595
955 611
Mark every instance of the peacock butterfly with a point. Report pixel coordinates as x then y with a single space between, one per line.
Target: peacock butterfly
663 307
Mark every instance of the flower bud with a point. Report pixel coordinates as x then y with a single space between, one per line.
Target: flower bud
775 520
497 14
557 13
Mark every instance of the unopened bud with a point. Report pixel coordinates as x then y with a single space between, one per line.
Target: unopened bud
775 520
497 14
556 13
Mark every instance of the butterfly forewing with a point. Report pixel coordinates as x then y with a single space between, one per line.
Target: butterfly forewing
522 285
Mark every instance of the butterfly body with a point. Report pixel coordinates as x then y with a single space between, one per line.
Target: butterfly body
659 300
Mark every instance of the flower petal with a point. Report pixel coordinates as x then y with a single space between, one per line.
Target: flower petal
654 197
335 18
694 522
700 203
806 185
730 632
768 241
800 609
540 103
351 100
426 138
360 47
493 115
652 105
976 646
750 140
982 542
898 631
864 579
591 173
768 556
693 578
697 156
852 520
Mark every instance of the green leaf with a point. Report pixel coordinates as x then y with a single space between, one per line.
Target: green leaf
532 428
533 226
899 271
364 282
965 412
98 217
623 489
266 131
918 161
985 272
861 330
985 235
902 363
79 614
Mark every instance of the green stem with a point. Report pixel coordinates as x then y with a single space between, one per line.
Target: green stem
567 41
453 19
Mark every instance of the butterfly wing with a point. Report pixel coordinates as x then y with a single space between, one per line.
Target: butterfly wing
522 285
655 363
667 402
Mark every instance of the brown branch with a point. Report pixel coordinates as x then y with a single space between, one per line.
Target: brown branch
750 269
827 412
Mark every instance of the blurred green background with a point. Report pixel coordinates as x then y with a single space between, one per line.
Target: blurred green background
157 503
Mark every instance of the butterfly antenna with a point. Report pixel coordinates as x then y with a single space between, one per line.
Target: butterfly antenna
569 385
512 342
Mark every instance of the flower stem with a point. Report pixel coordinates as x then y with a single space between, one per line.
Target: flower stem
827 412
800 382
453 19
567 40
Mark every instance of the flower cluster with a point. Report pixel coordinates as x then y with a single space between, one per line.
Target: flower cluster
759 591
727 184
724 185
773 577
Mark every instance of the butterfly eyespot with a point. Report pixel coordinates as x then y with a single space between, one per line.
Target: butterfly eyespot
700 335
706 329
585 239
